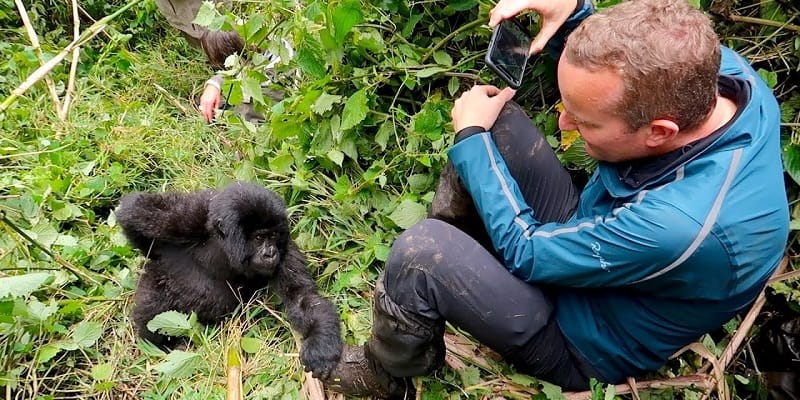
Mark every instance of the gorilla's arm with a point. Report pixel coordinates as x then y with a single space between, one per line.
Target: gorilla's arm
178 218
310 314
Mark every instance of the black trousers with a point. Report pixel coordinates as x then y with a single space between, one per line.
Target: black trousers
444 269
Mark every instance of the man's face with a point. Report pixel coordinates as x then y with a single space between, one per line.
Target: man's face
588 98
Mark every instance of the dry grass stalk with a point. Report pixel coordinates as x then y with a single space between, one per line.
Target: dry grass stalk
701 382
312 388
73 68
34 38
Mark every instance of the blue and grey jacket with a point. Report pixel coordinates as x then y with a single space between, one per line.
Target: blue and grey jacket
654 256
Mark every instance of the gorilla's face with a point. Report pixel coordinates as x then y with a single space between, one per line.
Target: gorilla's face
267 247
252 224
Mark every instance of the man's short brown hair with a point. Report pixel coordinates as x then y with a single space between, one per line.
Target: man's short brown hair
666 53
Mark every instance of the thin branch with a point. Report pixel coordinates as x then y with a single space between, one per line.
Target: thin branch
744 328
702 382
439 44
73 68
34 38
172 99
761 21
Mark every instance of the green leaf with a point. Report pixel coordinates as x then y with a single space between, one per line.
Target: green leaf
442 58
470 376
282 163
255 29
523 380
345 17
86 333
408 213
769 77
325 103
102 372
23 285
462 5
355 110
453 85
310 64
553 392
250 345
791 161
46 353
206 14
170 323
178 364
382 252
611 392
335 156
40 311
251 86
429 71
794 225
384 133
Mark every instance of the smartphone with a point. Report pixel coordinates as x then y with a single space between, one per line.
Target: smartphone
508 51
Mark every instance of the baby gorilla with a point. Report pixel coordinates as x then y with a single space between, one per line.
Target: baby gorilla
207 251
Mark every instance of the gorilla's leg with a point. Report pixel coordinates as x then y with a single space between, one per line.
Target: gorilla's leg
173 217
149 301
312 315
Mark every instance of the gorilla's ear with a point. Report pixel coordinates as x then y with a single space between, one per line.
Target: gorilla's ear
224 221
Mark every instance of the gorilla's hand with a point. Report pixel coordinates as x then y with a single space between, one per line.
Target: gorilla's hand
320 353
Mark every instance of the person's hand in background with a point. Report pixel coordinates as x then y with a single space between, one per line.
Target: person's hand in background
209 101
553 13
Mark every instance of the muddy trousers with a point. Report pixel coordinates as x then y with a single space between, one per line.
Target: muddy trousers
444 269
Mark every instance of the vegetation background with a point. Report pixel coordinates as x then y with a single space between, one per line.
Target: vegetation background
354 148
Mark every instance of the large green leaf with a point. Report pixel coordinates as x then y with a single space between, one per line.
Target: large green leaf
23 285
171 323
345 17
408 213
355 110
178 364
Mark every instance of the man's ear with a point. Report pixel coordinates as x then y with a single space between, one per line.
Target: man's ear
662 131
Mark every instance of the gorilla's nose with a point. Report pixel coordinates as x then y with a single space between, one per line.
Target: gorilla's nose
269 252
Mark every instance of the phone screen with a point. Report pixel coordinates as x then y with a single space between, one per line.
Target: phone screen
508 52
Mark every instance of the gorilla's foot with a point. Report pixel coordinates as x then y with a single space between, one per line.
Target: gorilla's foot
356 376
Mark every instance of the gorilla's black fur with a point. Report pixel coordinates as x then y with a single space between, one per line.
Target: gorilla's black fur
209 250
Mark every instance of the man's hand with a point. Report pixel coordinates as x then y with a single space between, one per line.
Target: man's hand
552 12
209 101
479 106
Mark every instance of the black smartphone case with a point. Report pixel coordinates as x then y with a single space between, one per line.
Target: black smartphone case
513 82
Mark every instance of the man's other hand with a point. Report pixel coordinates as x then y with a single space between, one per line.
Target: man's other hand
479 106
553 13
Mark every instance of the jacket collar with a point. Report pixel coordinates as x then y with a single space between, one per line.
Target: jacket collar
626 178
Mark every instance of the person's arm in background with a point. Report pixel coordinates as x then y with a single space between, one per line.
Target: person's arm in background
210 99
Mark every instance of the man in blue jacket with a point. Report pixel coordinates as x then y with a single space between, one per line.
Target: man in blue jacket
676 232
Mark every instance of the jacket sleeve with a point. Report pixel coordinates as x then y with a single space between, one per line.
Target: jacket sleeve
555 46
632 243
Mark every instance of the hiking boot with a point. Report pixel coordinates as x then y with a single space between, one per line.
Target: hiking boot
356 375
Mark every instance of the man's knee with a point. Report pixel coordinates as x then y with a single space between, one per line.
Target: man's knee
418 253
